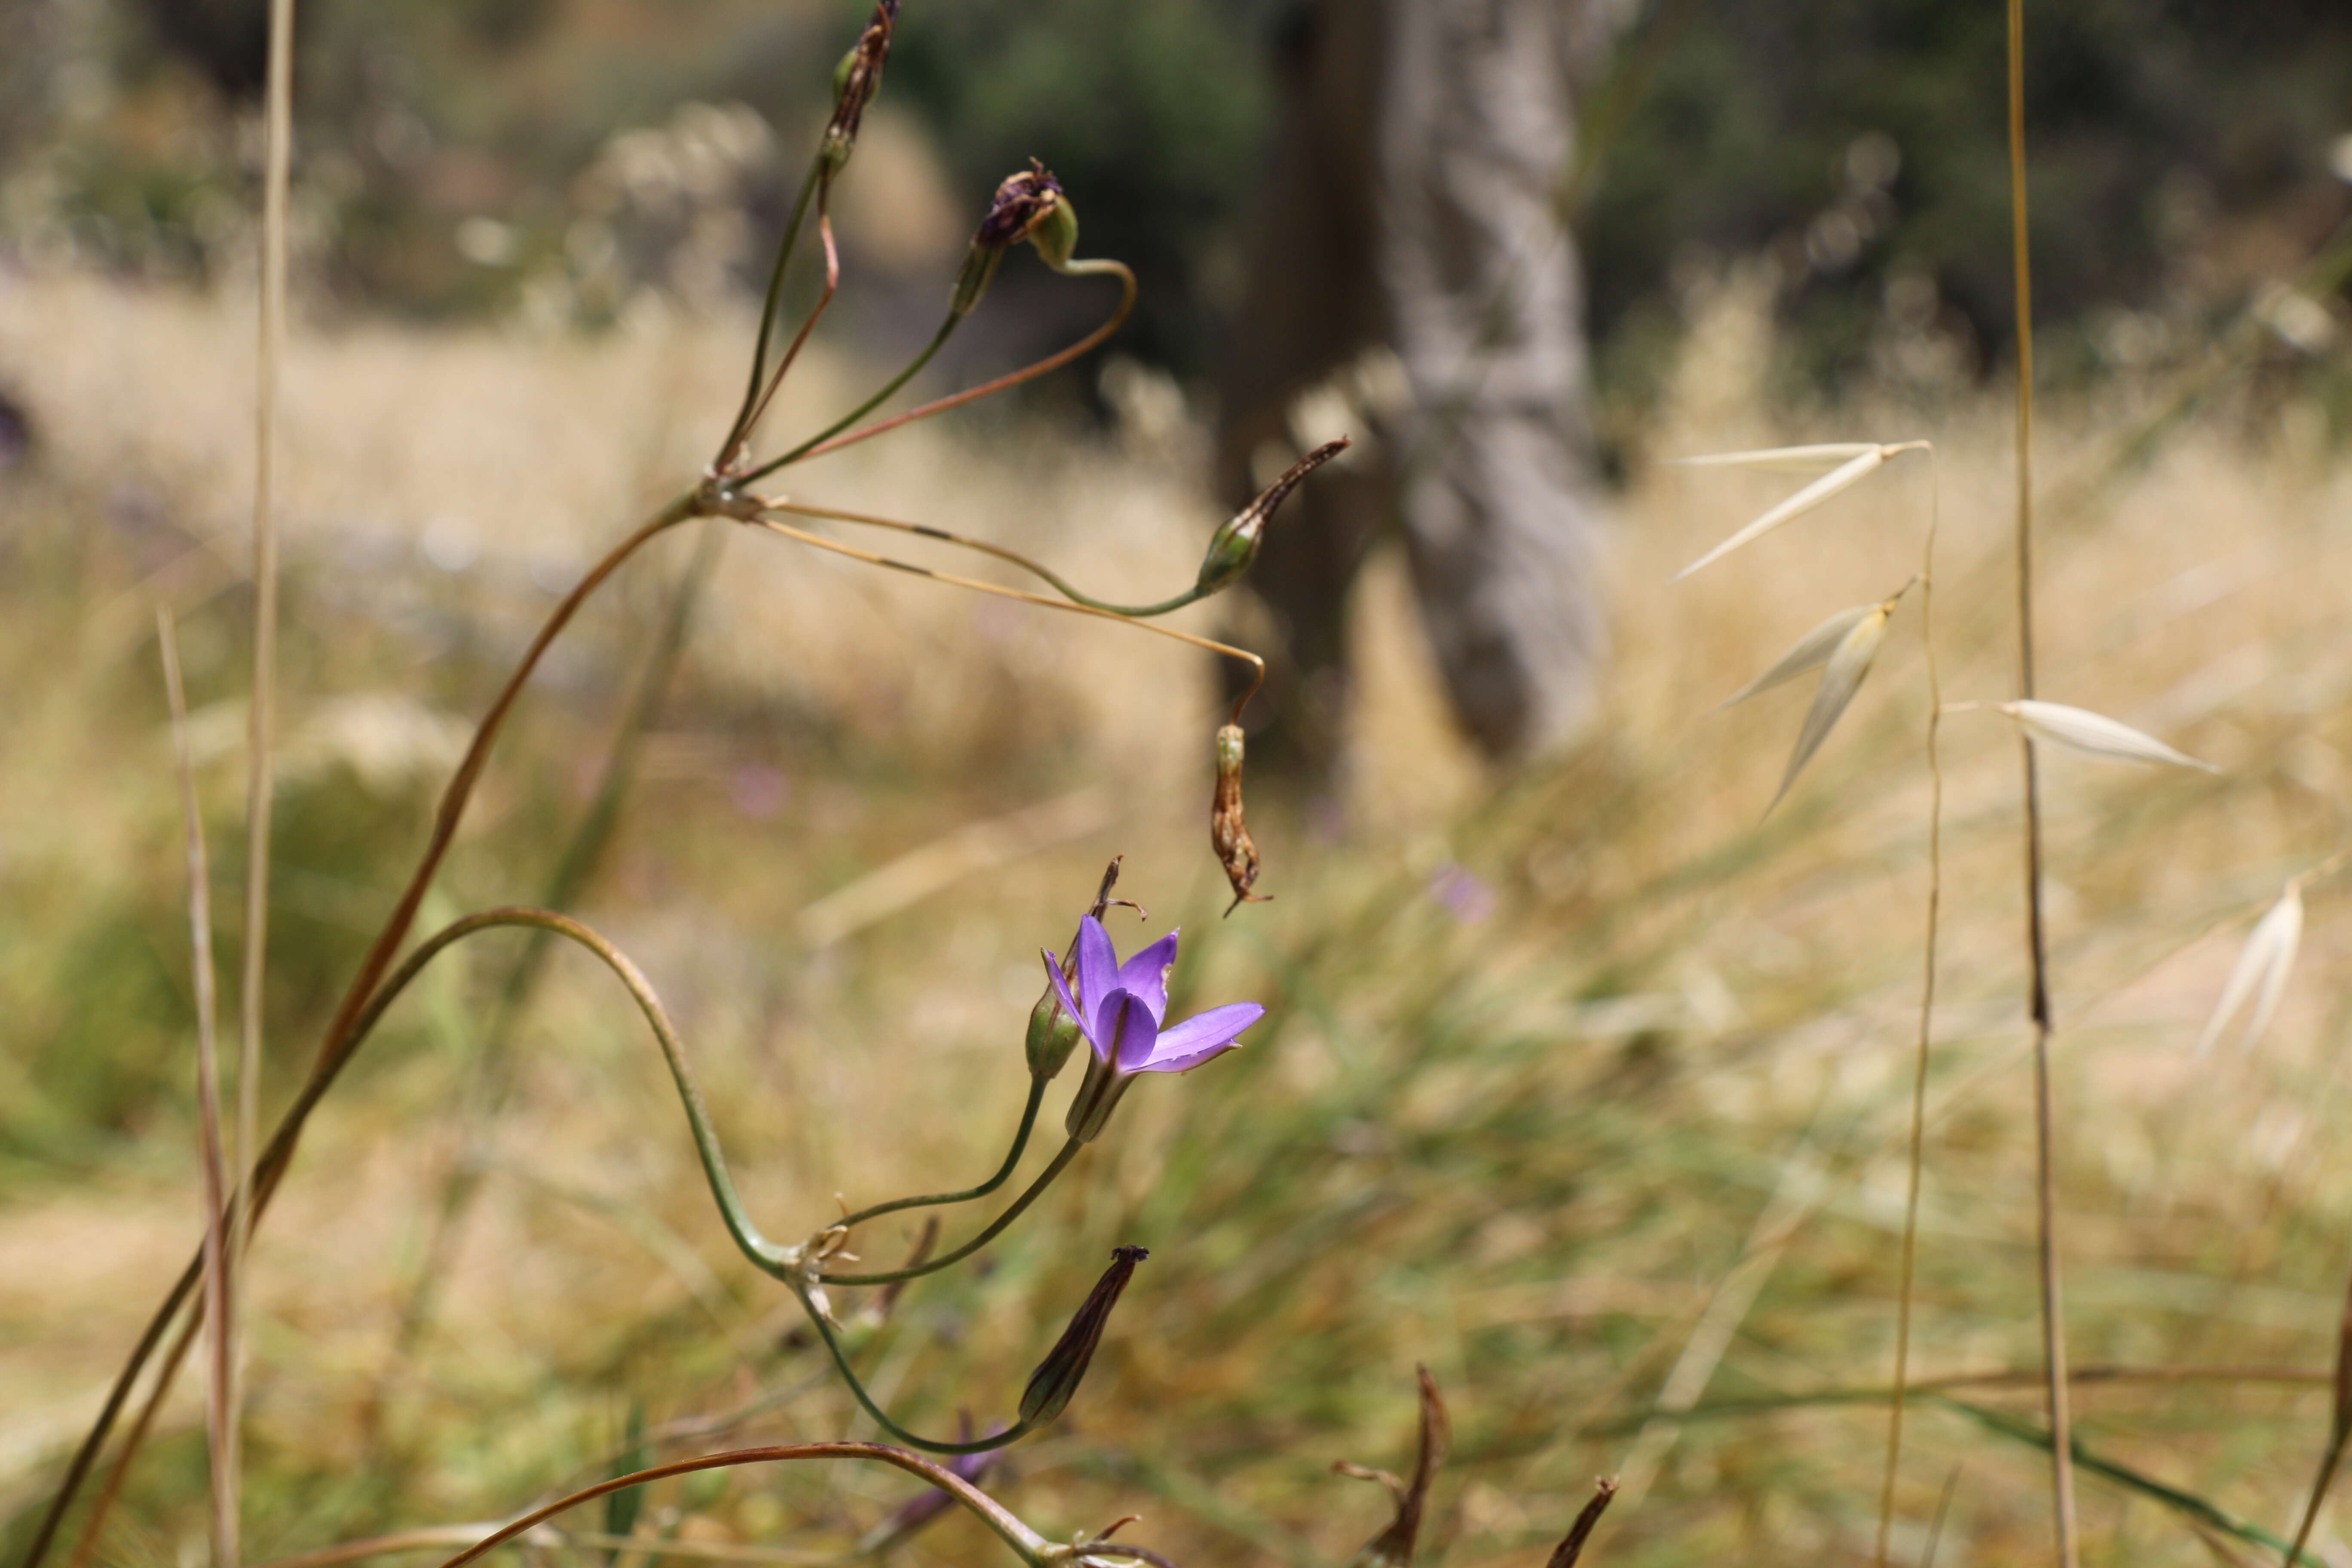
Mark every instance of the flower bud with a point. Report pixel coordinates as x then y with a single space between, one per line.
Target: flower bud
1233 549
1053 1036
1228 832
1057 1376
1054 236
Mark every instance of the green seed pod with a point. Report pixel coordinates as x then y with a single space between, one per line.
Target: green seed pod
1233 551
1053 1036
1055 235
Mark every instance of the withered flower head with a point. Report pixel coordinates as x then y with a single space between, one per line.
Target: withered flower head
1228 831
1022 202
1057 1376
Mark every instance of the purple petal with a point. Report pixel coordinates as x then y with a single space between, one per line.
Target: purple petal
1201 1037
1127 1019
1098 967
1069 1002
1146 974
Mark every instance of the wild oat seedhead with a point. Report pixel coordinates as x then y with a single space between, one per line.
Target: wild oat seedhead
1844 476
1810 652
2260 972
2094 734
1840 679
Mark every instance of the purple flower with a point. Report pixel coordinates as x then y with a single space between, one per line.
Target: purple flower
1124 1006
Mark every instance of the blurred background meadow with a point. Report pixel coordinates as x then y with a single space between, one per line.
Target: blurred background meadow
1585 1083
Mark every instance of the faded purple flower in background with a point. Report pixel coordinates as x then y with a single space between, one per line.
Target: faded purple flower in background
1464 893
1125 1006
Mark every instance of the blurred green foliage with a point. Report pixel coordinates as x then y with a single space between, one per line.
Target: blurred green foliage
2181 150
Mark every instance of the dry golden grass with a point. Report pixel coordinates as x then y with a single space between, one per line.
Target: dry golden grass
1529 1149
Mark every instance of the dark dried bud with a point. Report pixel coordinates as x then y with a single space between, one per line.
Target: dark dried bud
1227 829
855 82
1058 1376
1393 1547
1022 202
1571 1545
1233 549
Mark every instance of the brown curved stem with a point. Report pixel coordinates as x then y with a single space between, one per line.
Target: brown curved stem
342 1037
987 389
800 338
1026 1544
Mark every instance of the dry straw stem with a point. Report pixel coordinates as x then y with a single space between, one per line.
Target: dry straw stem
1907 1264
1867 460
2094 734
343 1036
279 116
219 1385
2037 936
2260 972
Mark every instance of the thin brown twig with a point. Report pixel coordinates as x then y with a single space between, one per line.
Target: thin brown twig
1024 1540
824 299
986 389
2053 1326
270 1167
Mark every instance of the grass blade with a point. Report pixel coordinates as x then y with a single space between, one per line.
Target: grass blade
2260 972
1809 459
1851 472
1810 651
2095 734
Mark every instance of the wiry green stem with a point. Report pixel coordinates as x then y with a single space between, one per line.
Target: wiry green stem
1019 1430
739 430
1004 1172
1045 1178
1036 569
889 389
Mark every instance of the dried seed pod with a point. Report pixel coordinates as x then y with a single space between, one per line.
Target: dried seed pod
1025 204
1393 1547
1233 549
855 82
1228 831
1057 1376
